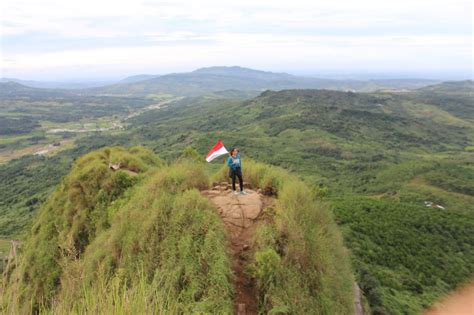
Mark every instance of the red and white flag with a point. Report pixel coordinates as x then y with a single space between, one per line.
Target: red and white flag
216 151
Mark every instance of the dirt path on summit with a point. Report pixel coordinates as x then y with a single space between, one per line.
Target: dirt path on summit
240 214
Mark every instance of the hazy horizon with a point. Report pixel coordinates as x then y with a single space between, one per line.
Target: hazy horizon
328 74
110 40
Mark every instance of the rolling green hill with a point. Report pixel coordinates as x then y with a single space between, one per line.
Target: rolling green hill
451 87
377 158
321 134
451 97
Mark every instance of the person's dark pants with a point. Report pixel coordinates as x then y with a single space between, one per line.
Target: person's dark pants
234 174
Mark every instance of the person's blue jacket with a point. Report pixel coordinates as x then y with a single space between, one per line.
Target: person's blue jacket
234 163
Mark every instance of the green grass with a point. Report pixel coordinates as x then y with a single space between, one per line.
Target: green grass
166 270
4 248
103 224
84 123
159 97
14 138
105 242
299 263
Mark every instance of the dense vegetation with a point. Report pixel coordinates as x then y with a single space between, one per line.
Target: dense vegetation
402 251
10 126
61 109
25 185
143 240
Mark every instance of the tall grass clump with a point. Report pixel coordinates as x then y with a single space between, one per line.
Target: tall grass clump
69 221
107 242
170 236
300 264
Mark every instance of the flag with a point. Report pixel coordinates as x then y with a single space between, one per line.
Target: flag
216 151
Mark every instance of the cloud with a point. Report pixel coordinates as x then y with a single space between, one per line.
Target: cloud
128 35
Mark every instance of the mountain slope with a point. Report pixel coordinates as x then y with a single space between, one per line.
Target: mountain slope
16 90
320 125
450 87
397 151
64 232
385 162
12 88
456 97
142 239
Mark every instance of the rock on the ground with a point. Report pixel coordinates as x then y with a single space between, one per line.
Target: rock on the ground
237 211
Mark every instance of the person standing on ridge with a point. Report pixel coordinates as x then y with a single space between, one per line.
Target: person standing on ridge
235 170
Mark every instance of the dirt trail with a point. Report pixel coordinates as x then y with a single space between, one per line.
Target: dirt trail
459 302
358 306
240 214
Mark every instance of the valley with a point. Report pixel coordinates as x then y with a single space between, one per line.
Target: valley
32 125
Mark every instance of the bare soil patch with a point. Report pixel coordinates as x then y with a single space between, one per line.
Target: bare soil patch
240 214
459 302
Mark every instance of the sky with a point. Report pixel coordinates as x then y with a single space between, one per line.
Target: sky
109 39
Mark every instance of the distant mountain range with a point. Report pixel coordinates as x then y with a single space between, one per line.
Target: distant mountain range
239 83
216 79
15 89
138 77
58 84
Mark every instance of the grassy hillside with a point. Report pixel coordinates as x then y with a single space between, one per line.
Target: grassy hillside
339 139
451 97
71 218
299 262
29 180
403 150
395 152
144 240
